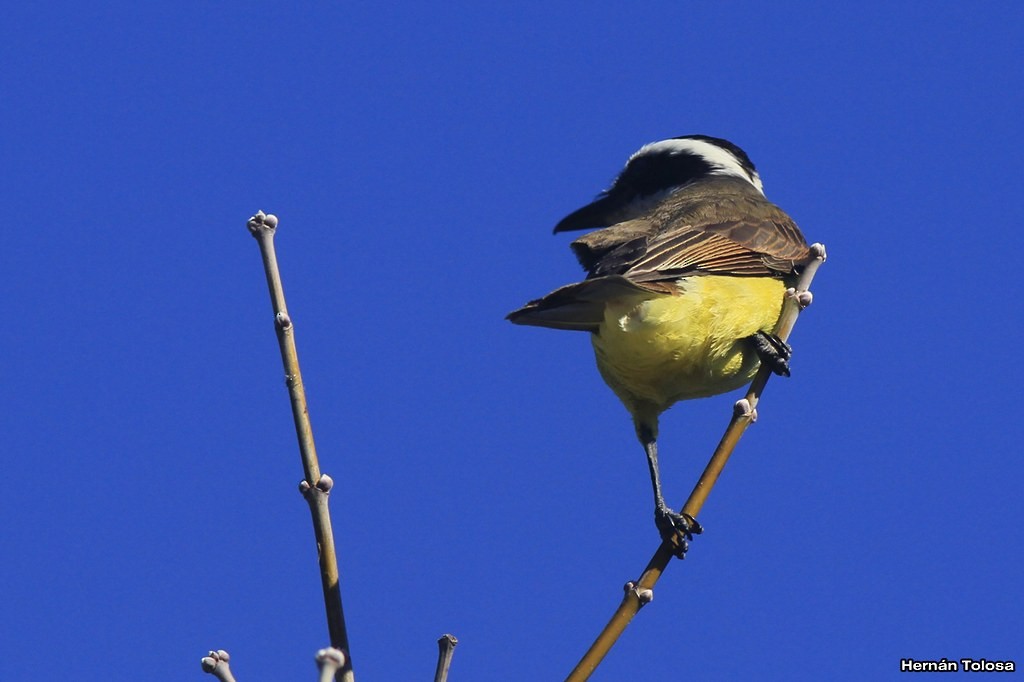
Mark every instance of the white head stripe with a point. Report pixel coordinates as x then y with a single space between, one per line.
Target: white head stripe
721 160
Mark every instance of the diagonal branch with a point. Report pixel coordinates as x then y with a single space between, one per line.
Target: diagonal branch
314 487
641 592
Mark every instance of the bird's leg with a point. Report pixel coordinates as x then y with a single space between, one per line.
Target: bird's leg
773 351
675 528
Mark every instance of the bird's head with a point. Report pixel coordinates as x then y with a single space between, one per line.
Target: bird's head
657 169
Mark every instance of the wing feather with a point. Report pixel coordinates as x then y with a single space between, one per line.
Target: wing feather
723 227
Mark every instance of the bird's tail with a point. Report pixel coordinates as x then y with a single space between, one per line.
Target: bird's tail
578 306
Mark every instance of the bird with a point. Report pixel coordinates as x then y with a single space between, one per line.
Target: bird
686 274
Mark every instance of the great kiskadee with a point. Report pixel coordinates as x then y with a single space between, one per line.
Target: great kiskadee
684 285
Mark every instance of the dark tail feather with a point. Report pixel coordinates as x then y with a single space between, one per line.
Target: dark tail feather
578 306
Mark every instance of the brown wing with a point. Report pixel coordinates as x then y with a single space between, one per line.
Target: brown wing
722 228
718 250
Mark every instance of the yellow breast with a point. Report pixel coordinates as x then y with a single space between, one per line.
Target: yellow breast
653 352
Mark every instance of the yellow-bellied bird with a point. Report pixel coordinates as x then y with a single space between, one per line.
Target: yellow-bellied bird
684 285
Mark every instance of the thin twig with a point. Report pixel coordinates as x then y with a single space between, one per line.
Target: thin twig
445 650
314 487
641 592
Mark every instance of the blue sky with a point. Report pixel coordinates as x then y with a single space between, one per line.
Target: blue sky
488 483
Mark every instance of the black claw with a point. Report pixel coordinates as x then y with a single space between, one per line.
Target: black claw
676 528
773 351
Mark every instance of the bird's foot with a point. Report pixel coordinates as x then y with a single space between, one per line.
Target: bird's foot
676 528
773 351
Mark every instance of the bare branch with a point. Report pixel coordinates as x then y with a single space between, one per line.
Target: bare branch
314 487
